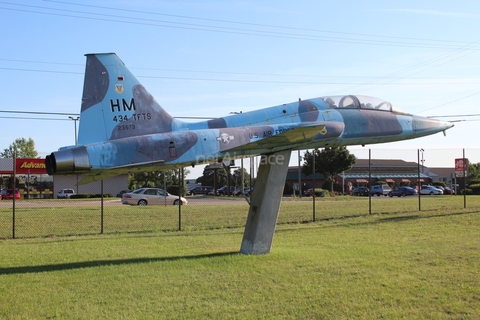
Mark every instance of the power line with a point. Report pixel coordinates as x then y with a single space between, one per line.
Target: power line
457 115
300 82
253 81
469 47
249 23
466 48
213 72
43 62
40 112
420 65
67 114
37 70
452 101
31 118
222 29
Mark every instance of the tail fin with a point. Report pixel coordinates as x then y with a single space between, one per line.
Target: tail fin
115 105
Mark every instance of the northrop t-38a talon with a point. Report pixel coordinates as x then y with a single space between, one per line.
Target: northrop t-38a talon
122 129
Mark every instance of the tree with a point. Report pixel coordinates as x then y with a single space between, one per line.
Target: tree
24 148
473 173
473 178
237 177
156 179
216 174
329 161
208 176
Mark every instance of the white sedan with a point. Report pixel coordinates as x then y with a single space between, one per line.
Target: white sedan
150 196
430 190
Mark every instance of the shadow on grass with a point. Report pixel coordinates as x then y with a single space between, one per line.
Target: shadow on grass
418 217
101 263
377 219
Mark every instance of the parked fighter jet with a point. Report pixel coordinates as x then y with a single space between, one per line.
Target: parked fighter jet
123 129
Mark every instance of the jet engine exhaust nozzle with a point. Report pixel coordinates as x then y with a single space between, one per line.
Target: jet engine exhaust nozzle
68 161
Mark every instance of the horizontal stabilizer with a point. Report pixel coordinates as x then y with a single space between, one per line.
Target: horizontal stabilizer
104 174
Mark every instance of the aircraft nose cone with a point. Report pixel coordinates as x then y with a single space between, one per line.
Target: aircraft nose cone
445 125
428 125
448 125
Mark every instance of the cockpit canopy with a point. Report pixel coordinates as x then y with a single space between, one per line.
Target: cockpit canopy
360 102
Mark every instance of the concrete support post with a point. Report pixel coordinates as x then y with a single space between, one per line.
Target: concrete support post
265 203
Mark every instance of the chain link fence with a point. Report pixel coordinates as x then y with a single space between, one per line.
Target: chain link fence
37 212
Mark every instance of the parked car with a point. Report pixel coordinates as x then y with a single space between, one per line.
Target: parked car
360 191
402 192
65 193
152 196
121 193
430 190
308 192
246 191
380 189
200 190
7 194
448 190
454 187
223 191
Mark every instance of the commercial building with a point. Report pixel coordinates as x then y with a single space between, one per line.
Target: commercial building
33 182
394 172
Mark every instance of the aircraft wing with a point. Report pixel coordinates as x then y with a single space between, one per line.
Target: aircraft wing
304 133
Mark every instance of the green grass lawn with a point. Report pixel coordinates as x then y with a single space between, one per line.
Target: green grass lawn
395 264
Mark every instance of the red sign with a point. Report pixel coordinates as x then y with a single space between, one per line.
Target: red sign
461 164
26 166
461 167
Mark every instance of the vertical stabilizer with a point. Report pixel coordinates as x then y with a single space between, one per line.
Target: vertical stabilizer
115 105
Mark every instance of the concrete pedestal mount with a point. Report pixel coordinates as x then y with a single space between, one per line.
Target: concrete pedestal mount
265 203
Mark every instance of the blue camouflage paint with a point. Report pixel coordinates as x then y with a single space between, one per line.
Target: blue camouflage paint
124 129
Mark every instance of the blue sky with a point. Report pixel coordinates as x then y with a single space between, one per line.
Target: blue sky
210 58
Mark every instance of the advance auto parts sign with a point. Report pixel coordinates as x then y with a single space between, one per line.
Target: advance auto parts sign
30 166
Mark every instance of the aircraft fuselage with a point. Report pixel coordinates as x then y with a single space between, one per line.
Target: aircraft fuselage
123 129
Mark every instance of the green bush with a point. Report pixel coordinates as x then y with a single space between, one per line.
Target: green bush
79 196
321 192
90 195
99 195
475 188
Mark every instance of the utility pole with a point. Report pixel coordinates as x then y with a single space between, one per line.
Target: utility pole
75 119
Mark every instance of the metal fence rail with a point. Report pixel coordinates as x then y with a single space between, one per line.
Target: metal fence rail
37 214
52 218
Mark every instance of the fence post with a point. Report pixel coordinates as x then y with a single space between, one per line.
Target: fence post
369 181
464 182
313 178
101 209
13 191
180 191
419 182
